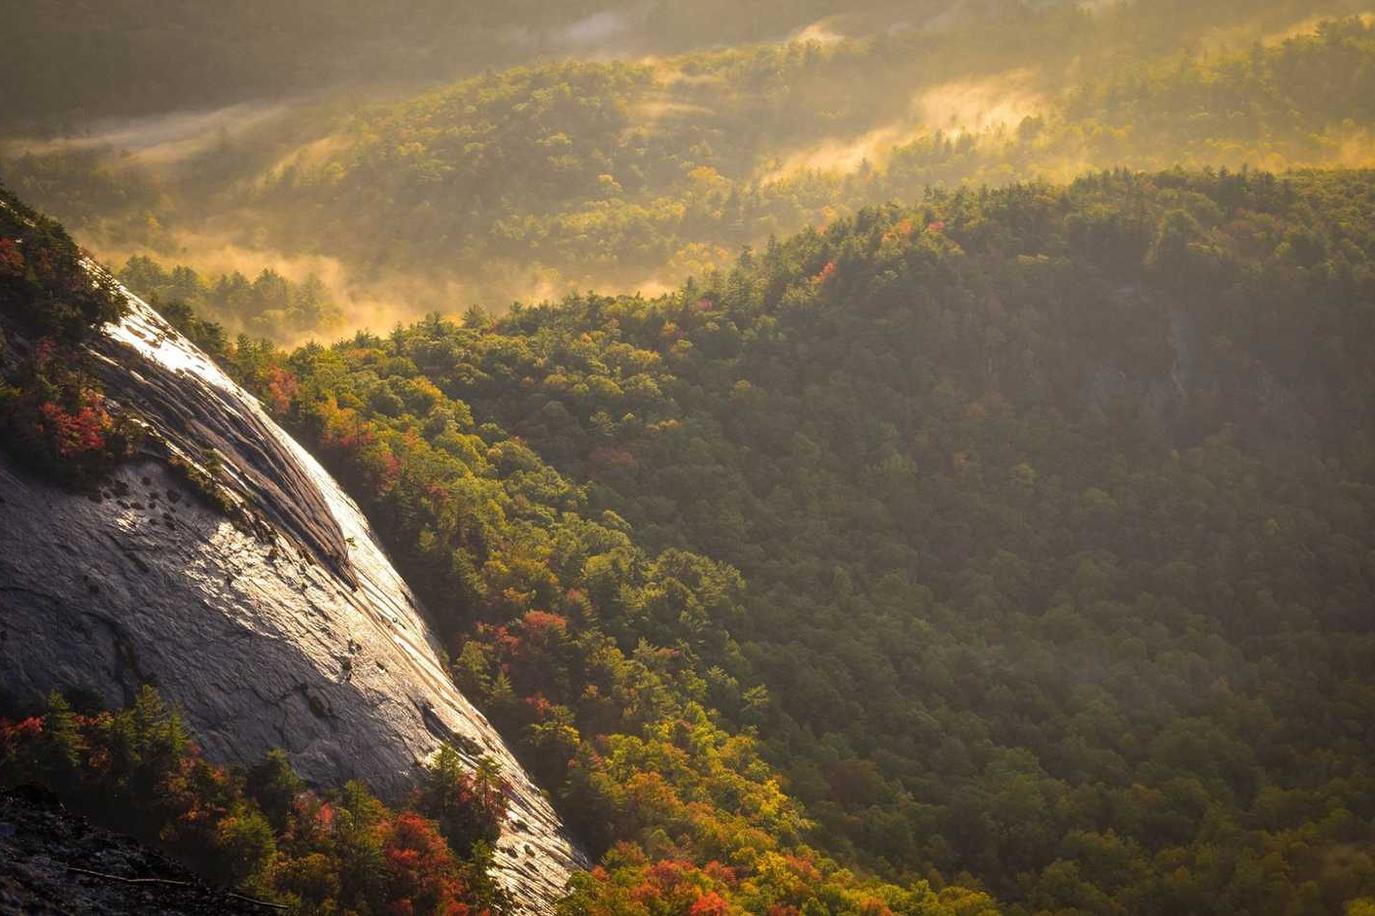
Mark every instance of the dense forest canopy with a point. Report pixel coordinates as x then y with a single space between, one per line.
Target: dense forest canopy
1047 514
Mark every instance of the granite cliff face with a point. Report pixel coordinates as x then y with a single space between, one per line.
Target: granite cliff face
267 612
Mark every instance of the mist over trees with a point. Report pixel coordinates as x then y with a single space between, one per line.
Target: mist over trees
636 172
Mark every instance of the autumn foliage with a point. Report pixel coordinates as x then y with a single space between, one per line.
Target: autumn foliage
52 411
44 282
138 771
56 416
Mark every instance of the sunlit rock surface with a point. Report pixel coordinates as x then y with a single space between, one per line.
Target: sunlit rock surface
288 629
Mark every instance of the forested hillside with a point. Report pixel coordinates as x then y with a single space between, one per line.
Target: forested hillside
1018 539
634 172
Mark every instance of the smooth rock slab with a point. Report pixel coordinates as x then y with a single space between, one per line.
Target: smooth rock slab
262 642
